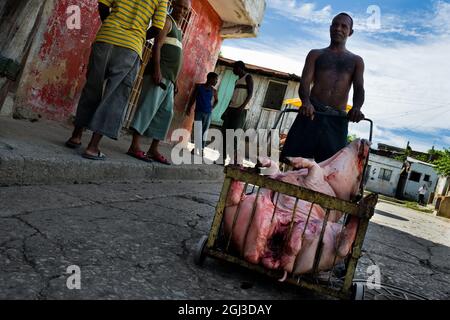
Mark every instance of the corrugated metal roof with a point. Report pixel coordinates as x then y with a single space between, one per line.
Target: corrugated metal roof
261 70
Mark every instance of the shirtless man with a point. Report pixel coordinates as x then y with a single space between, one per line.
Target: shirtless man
331 72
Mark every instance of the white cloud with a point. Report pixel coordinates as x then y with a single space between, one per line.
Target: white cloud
300 10
441 21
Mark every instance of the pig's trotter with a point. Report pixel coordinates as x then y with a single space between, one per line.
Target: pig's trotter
284 277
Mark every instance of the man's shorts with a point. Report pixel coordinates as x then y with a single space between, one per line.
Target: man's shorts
103 103
317 139
155 109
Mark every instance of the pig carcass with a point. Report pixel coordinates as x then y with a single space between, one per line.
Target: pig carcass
279 238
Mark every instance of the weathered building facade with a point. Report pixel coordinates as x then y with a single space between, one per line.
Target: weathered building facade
51 39
383 174
271 88
420 173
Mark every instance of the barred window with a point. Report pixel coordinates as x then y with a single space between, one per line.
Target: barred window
385 174
187 23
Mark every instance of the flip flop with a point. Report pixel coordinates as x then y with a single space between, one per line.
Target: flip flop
99 157
140 155
160 158
72 145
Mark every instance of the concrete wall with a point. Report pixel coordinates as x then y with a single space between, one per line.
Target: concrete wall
374 183
412 187
442 186
242 18
18 22
55 72
444 209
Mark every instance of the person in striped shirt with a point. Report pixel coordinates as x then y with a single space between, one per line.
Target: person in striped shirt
113 66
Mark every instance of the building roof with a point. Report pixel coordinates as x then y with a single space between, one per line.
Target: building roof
241 18
409 159
261 70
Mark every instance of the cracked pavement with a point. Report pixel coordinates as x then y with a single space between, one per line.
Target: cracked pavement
136 241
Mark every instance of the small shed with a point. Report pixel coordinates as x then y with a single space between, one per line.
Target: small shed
271 88
383 174
421 173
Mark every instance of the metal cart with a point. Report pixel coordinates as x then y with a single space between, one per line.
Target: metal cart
217 244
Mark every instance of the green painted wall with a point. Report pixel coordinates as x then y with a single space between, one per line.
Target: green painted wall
225 93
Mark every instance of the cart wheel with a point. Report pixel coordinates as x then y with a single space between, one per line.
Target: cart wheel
358 291
385 292
199 255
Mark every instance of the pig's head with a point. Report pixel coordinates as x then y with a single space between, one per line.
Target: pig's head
344 171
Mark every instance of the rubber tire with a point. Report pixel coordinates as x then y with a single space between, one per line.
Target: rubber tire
199 254
358 291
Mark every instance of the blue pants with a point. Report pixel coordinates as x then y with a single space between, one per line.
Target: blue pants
205 119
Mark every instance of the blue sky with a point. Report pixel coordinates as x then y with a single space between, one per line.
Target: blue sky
406 53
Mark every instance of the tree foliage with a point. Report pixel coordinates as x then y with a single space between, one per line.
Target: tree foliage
443 162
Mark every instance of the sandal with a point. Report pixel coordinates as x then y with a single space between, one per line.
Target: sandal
140 155
161 159
99 157
72 145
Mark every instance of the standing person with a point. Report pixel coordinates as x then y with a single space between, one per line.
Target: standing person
235 115
422 192
203 96
114 63
155 107
330 72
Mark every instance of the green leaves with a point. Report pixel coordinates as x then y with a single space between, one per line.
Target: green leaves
443 162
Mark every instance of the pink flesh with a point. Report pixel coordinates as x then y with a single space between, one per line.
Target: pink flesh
266 241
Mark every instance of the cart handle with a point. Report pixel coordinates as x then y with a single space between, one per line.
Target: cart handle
326 115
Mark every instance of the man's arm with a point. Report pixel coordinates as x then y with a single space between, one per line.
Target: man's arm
191 100
158 20
216 98
156 52
355 114
104 11
249 80
306 80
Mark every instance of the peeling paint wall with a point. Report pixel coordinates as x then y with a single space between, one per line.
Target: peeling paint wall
55 72
18 22
56 68
200 57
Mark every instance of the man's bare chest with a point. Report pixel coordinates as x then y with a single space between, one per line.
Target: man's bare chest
341 64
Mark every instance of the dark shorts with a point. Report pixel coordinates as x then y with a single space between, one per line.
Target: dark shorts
317 139
234 119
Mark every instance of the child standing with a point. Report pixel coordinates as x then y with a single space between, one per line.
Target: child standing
203 95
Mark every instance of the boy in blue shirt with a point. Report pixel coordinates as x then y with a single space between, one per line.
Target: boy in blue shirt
203 96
